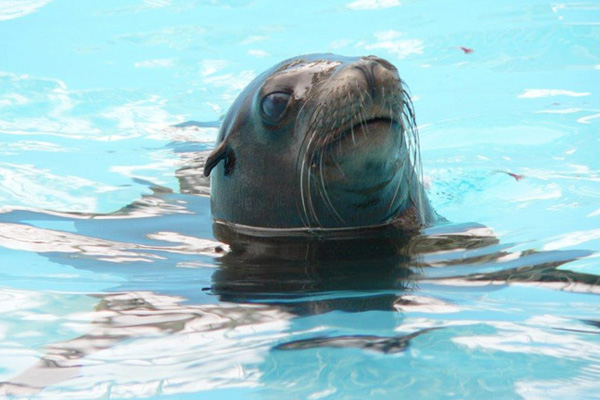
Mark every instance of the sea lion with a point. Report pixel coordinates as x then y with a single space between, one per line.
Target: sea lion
319 143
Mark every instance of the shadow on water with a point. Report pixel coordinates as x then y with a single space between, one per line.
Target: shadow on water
257 286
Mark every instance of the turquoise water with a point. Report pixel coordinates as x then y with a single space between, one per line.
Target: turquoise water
131 302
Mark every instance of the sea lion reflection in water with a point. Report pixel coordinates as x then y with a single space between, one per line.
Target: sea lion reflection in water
317 171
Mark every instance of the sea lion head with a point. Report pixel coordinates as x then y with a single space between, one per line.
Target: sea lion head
319 142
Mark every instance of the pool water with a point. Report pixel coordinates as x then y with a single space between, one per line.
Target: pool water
110 286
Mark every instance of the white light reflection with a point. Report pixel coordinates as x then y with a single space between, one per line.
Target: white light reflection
142 344
573 239
372 4
209 67
586 120
157 63
391 42
157 3
10 9
258 53
422 304
530 338
29 238
543 336
537 93
144 117
41 188
594 213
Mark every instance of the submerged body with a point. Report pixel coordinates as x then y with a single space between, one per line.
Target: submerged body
319 143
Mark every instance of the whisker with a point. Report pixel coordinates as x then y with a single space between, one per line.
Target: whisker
311 207
345 106
413 148
301 157
325 194
352 131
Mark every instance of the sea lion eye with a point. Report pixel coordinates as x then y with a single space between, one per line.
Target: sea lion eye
274 105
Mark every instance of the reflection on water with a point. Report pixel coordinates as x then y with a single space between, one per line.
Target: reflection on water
195 345
111 285
386 345
262 307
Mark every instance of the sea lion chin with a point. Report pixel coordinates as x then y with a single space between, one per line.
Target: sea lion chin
320 143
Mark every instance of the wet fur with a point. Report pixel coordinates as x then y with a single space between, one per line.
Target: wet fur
284 169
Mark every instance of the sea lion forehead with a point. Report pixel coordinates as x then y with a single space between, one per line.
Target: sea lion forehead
298 75
324 60
315 67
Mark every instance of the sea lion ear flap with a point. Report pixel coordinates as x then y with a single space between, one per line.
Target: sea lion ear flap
221 152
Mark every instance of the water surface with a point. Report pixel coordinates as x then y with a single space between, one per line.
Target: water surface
110 285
